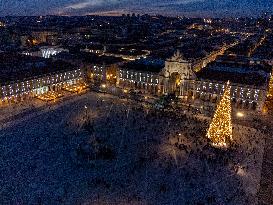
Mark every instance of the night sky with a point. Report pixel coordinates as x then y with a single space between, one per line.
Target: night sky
112 7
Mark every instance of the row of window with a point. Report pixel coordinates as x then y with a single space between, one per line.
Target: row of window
138 76
244 93
26 86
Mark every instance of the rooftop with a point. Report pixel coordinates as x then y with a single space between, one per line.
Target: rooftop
255 75
150 65
89 58
15 67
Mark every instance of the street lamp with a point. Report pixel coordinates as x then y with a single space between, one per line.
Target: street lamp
85 107
240 114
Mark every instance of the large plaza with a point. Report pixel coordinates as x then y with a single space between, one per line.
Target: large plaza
95 148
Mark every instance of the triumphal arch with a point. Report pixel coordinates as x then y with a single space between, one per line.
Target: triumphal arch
176 70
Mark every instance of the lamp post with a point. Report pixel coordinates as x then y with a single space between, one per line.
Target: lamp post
85 107
103 86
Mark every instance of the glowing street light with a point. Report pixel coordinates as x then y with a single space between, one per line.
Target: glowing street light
85 107
240 114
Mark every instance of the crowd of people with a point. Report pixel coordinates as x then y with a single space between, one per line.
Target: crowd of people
174 143
157 156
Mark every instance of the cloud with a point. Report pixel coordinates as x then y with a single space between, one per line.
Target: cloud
81 5
107 6
165 7
89 3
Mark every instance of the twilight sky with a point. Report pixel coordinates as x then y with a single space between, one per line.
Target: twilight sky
165 7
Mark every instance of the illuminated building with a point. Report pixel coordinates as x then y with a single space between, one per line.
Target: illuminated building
242 96
177 75
43 36
45 52
38 85
139 80
2 24
25 76
142 75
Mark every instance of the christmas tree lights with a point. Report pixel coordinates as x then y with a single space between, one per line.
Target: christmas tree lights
268 105
220 130
270 89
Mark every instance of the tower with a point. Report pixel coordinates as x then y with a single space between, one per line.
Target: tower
220 130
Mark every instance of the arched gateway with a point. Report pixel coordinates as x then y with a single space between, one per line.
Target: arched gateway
176 70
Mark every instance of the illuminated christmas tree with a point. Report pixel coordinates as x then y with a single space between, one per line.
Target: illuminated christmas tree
270 89
220 130
268 105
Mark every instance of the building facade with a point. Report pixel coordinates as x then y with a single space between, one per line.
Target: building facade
178 77
175 76
38 85
243 96
146 82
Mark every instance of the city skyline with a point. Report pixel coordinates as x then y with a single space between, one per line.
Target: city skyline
190 8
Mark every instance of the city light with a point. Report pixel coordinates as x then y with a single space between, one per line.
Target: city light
270 87
49 96
268 105
76 88
240 114
142 100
